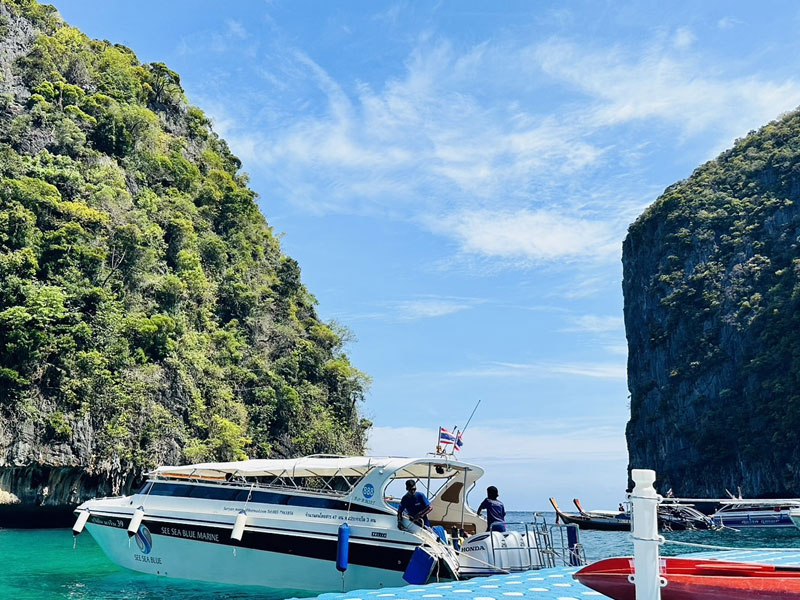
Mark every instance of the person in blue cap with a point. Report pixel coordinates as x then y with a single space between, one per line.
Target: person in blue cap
495 511
415 504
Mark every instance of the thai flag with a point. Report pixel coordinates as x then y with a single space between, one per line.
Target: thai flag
445 437
459 442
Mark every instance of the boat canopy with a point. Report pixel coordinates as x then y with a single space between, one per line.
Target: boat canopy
435 467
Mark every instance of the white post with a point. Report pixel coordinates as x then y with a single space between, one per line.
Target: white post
646 576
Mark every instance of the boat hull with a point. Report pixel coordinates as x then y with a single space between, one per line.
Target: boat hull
277 560
754 520
691 579
597 524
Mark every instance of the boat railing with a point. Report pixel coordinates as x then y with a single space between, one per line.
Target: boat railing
553 545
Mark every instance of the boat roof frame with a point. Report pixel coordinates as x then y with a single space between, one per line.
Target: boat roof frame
324 467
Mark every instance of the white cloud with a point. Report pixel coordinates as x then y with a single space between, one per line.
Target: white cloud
683 39
653 84
596 324
429 308
426 307
236 29
728 23
429 129
537 370
460 142
541 235
584 287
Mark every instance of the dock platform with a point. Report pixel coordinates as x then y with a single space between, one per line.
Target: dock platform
542 584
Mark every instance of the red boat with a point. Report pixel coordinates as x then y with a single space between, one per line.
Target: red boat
697 579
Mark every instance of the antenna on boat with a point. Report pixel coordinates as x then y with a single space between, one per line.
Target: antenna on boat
460 433
470 416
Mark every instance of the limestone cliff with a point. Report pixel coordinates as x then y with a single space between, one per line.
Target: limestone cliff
147 313
712 314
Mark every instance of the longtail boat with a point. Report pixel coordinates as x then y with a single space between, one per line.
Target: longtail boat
672 516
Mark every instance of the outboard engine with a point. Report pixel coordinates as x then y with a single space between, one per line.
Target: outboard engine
482 554
496 552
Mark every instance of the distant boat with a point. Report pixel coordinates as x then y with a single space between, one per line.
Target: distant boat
739 514
697 579
672 516
600 520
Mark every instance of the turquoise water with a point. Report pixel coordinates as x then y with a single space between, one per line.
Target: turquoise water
43 565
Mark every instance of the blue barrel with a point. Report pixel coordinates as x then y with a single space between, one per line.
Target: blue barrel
342 547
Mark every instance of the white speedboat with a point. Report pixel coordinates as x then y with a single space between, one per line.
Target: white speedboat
738 514
318 523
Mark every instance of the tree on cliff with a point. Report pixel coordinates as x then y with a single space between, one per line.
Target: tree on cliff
147 313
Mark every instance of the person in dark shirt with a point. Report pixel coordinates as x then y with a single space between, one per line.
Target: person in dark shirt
415 504
495 511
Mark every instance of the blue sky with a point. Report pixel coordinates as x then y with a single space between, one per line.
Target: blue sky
456 178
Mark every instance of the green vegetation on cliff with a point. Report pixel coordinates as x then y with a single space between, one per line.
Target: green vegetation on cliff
712 309
147 313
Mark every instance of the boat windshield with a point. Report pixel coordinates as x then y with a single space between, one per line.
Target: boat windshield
436 478
334 485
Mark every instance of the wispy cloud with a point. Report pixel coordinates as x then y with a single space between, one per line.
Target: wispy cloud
544 369
542 235
596 324
459 142
728 23
584 286
236 29
652 83
234 37
430 308
683 38
415 309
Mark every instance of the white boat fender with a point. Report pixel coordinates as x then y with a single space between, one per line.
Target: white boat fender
83 517
342 547
138 515
238 526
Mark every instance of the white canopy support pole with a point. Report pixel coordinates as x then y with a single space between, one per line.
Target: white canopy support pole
646 576
428 485
464 497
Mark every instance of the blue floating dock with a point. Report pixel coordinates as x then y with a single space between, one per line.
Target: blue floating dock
542 584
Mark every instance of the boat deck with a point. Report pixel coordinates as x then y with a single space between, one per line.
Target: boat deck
543 584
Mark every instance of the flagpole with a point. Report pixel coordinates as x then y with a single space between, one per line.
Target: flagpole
455 436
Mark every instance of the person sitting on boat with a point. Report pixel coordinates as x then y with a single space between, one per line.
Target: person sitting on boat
495 511
415 504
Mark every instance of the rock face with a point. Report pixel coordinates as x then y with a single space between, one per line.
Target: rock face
712 315
147 313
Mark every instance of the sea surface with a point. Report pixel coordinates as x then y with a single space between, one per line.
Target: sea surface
47 564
